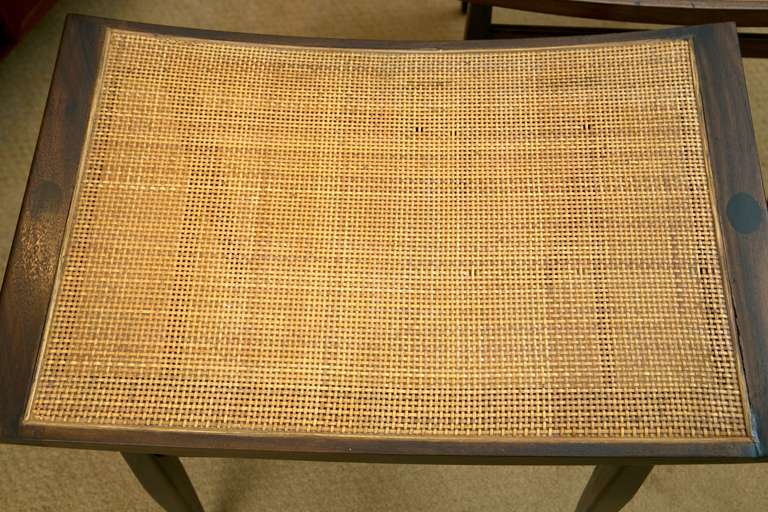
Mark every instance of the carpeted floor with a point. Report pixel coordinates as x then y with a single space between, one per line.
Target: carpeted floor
69 480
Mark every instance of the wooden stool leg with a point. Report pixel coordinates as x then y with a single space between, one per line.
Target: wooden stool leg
611 487
164 478
478 25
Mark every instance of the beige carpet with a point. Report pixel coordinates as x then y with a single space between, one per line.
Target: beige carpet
66 480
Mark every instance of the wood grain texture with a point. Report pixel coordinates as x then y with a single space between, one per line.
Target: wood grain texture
32 263
736 169
30 274
389 450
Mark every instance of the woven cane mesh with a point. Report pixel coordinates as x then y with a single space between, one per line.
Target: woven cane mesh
419 243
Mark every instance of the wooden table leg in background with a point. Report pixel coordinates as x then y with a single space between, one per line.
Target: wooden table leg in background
611 487
165 479
478 24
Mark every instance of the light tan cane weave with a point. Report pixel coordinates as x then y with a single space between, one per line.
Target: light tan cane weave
513 243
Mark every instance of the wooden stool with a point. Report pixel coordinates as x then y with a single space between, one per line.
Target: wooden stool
745 13
239 245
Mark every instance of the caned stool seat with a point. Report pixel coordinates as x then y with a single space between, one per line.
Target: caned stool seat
248 245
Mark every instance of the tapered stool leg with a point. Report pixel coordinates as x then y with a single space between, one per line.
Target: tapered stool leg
478 24
165 479
611 487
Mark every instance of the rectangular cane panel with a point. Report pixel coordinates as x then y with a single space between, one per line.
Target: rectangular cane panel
474 243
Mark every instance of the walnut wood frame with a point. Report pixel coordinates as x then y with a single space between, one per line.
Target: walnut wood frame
666 12
32 265
670 12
